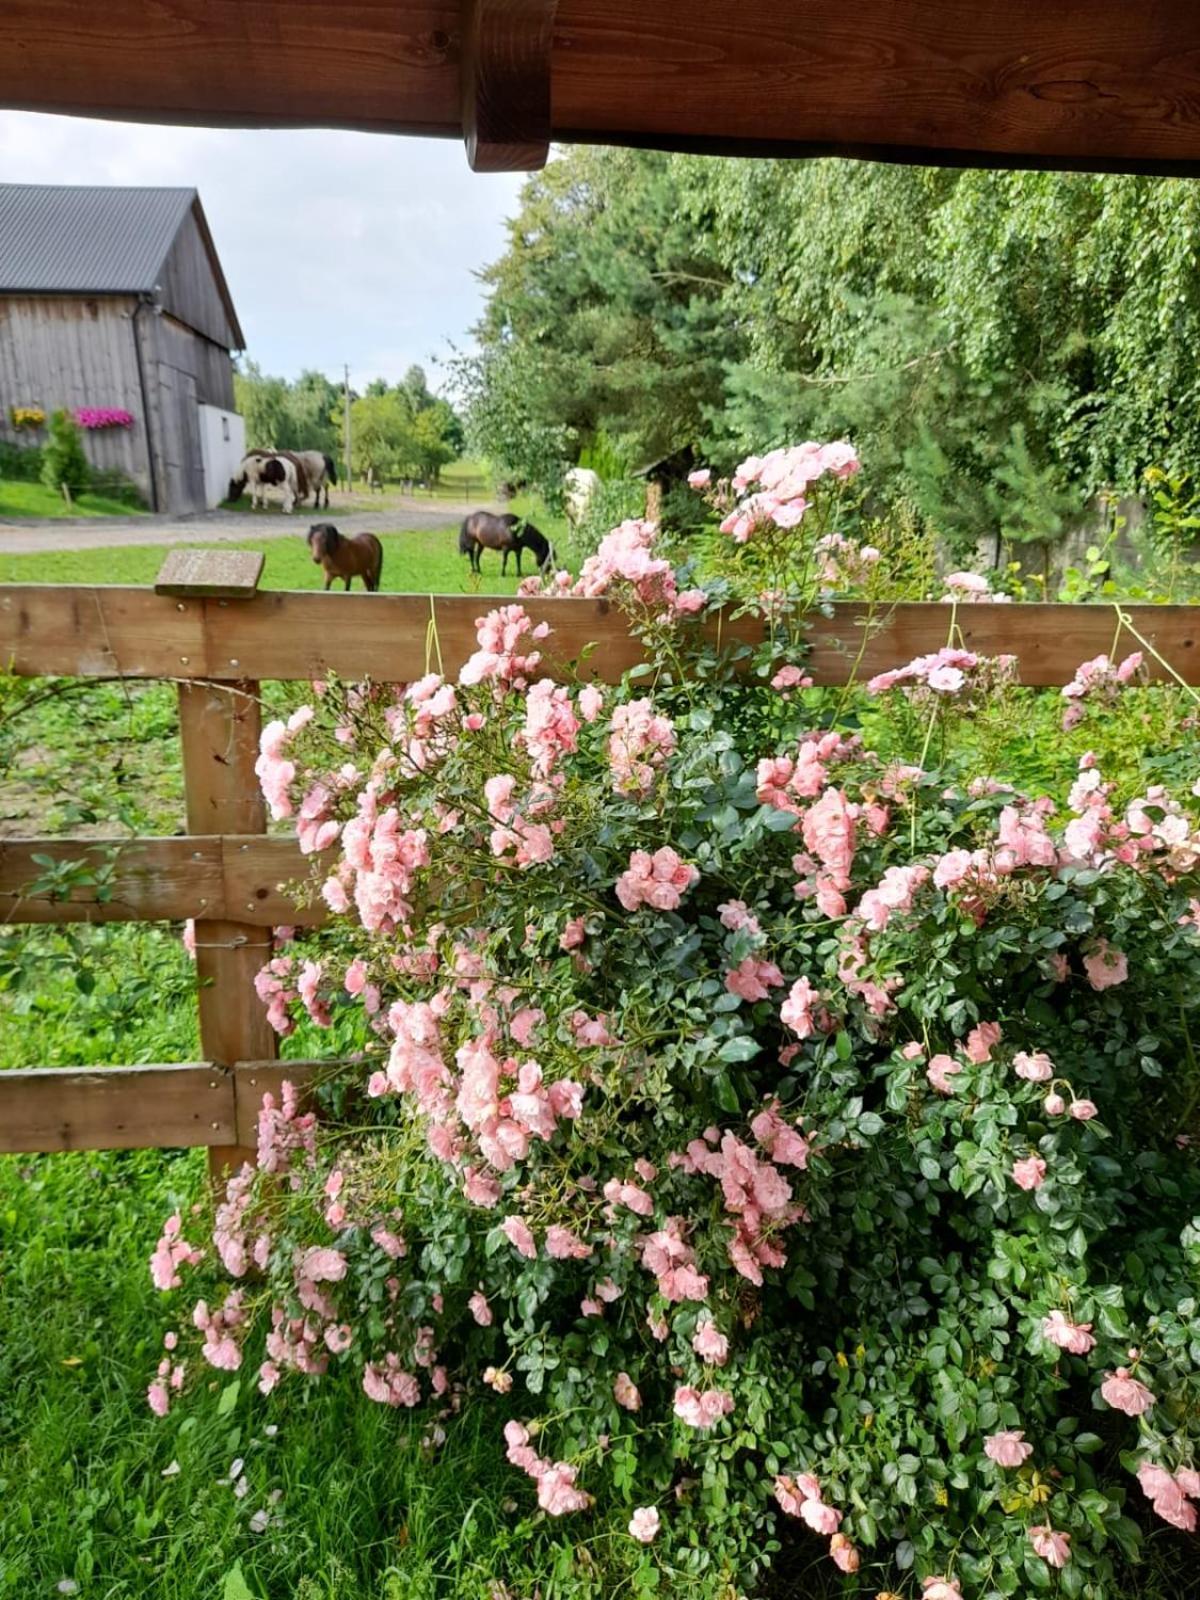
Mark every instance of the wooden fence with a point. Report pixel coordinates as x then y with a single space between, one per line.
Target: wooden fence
227 873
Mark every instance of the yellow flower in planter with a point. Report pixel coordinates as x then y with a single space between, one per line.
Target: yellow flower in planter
28 416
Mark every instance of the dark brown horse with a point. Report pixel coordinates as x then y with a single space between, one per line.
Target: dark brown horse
508 534
359 556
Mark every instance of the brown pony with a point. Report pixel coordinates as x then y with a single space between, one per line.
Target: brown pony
507 534
359 556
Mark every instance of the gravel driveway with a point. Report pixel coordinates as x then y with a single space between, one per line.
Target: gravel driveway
222 527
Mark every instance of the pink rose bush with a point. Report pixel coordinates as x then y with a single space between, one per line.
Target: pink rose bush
769 1110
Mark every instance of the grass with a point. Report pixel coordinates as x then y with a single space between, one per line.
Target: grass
19 501
94 1492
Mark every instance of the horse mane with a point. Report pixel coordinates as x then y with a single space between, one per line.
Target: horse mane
300 469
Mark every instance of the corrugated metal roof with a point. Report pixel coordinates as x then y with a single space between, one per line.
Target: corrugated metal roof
58 240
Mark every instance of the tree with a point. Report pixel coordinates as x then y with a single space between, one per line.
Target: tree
263 403
63 458
604 315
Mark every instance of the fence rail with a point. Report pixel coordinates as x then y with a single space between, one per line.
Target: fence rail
231 876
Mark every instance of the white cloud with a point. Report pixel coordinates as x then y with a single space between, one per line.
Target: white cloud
338 247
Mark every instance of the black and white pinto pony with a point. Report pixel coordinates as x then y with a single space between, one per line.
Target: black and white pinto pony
507 534
295 474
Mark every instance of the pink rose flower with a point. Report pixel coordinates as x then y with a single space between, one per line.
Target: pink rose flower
1030 1173
1083 1110
626 1393
1007 1449
1035 1068
1074 1337
1124 1393
940 1589
644 1523
1054 1548
700 479
520 1236
711 1345
845 1556
1106 966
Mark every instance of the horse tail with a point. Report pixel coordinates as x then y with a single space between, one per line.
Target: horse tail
377 573
330 469
466 537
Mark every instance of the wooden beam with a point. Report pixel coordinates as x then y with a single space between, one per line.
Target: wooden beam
235 877
1101 86
99 631
116 1108
143 1108
506 83
379 65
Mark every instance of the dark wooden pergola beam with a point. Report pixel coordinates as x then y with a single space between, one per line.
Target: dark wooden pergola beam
1097 85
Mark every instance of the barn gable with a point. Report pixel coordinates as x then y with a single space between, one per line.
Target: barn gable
65 240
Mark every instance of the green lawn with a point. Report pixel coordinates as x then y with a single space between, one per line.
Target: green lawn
19 501
414 563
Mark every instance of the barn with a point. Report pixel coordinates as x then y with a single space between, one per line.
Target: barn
113 299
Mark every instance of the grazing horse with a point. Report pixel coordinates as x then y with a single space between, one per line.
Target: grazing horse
320 472
482 530
359 556
270 469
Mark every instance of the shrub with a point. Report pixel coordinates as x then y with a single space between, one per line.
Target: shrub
789 1115
63 458
20 463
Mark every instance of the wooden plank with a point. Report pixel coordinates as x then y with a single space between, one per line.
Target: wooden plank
1102 86
47 629
506 83
372 64
253 1079
214 574
232 878
219 726
116 1108
144 1108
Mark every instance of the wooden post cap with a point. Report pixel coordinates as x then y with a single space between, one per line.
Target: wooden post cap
215 574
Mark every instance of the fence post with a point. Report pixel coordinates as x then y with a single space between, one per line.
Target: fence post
219 726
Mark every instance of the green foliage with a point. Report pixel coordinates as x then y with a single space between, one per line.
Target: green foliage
1001 346
604 321
20 463
63 458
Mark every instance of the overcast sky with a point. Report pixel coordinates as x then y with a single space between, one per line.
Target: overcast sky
337 246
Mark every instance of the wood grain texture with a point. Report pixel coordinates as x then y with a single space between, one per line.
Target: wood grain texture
375 64
1101 85
506 83
233 877
116 1108
91 632
144 1108
214 574
1042 82
219 727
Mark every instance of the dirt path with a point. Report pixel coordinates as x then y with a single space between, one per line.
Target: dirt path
222 527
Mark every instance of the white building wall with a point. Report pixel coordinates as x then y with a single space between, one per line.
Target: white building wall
222 446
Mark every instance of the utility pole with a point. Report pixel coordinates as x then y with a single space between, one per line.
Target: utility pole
346 410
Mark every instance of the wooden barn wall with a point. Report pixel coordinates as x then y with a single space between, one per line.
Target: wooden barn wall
61 352
189 290
184 370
